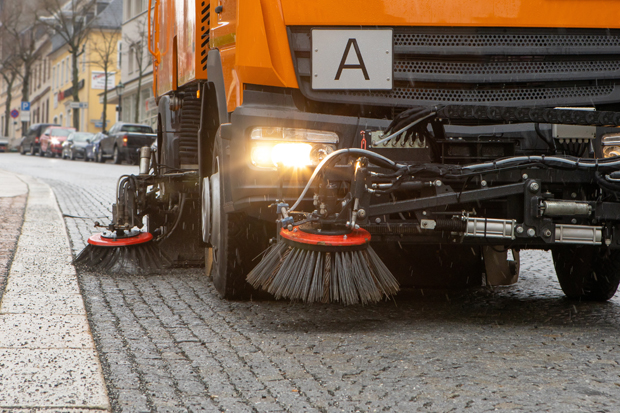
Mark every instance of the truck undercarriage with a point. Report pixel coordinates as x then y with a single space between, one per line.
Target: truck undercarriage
488 141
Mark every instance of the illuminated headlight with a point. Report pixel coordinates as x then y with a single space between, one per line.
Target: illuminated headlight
611 145
290 147
55 141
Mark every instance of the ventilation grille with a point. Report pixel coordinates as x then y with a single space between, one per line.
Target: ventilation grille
482 96
499 66
190 123
505 40
505 68
205 24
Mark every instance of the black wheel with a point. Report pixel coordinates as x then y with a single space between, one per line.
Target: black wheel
85 157
587 273
116 157
99 156
21 150
32 151
236 240
41 153
72 156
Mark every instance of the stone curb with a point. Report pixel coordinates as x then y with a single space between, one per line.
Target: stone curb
48 360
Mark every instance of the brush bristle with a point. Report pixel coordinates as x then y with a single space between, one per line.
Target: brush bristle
130 260
347 277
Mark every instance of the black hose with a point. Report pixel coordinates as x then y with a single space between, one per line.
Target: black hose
551 143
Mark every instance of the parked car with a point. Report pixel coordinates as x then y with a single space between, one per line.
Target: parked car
51 140
30 142
124 141
4 144
75 145
92 149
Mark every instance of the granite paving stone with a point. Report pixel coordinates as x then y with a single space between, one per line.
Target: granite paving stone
168 342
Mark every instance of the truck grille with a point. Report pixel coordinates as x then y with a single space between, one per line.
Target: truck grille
497 66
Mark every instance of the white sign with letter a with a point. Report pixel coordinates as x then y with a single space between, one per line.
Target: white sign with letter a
352 59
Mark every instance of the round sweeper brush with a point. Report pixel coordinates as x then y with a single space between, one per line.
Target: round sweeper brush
130 252
319 267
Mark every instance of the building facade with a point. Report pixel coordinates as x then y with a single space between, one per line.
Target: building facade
137 104
91 76
50 90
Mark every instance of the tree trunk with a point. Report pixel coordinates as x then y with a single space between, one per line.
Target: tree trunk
137 115
25 93
7 110
75 90
104 115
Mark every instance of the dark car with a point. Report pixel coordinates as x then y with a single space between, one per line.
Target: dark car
124 140
51 140
75 145
92 149
31 141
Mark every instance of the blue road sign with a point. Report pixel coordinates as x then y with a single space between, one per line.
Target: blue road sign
25 106
14 113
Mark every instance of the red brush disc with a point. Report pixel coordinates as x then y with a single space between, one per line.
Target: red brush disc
355 239
100 241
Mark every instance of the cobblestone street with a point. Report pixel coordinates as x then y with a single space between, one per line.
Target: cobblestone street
168 343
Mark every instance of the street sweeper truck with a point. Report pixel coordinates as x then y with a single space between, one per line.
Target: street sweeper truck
337 151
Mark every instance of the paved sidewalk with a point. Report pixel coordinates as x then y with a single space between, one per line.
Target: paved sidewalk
48 360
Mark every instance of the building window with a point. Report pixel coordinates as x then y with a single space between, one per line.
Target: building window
119 54
128 10
59 119
62 74
69 69
53 78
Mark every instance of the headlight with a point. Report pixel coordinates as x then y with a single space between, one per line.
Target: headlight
290 147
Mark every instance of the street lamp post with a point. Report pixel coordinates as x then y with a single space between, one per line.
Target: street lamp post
119 92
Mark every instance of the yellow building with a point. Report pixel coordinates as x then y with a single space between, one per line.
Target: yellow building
105 28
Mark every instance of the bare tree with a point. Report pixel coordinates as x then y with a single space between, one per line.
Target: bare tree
137 44
21 28
70 20
9 66
105 49
9 71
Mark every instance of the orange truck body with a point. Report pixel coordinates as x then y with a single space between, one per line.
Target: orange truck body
251 35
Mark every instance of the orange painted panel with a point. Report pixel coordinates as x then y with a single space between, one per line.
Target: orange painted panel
491 13
252 37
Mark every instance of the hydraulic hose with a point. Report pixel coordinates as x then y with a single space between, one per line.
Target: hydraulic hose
377 159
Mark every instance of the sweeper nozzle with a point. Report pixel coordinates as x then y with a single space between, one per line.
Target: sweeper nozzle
127 252
319 267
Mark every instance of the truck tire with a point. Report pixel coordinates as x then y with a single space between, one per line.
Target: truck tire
236 239
116 157
587 273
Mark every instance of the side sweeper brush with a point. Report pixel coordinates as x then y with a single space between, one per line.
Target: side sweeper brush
316 267
122 252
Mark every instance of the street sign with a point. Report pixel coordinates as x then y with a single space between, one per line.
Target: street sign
78 105
14 113
25 112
